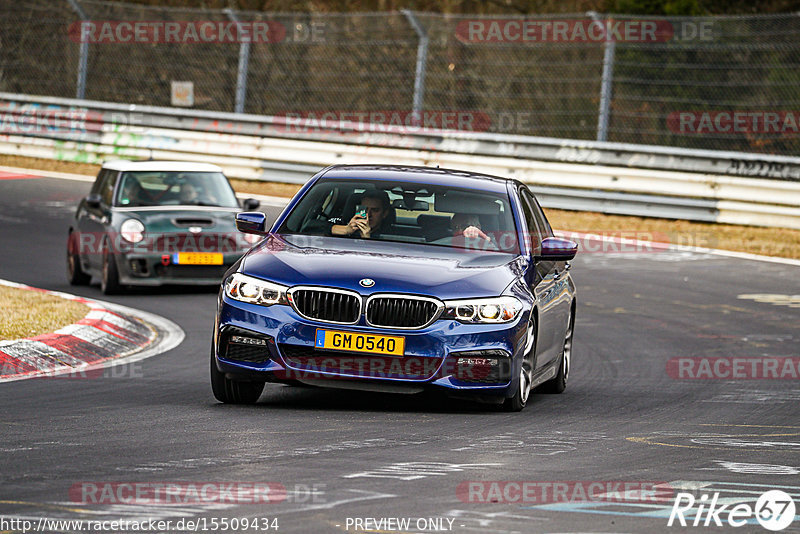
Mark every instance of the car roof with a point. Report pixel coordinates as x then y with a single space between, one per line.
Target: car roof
427 175
150 165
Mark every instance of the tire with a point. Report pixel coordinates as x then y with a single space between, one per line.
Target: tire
231 391
558 383
75 274
109 279
520 399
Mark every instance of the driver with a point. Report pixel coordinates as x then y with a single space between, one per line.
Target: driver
131 193
376 221
188 194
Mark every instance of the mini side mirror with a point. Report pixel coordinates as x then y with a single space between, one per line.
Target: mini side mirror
557 249
252 222
93 201
250 204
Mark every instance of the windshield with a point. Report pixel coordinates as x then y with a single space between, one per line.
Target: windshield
171 188
406 212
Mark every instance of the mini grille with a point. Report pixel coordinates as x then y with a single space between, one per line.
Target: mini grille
400 312
203 242
327 305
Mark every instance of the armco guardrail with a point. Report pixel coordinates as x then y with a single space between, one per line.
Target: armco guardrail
612 178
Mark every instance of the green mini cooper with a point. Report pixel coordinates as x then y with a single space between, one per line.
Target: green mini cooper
150 223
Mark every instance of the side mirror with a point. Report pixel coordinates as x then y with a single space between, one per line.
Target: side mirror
252 222
250 204
557 249
93 201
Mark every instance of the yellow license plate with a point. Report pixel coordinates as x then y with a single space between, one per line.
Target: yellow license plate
354 342
197 258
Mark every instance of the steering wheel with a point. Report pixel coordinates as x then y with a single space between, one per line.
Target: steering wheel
311 221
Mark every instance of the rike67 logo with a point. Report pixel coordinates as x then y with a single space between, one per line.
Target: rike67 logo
774 510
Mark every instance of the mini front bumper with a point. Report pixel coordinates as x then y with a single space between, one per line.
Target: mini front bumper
152 269
276 344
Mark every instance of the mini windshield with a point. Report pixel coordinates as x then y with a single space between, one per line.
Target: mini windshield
406 212
171 188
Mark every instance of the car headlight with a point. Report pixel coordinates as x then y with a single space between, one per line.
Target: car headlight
132 230
487 310
248 289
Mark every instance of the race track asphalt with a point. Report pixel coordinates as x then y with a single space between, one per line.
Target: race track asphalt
351 455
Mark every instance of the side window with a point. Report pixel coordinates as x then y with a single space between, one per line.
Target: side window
101 176
107 187
541 220
530 221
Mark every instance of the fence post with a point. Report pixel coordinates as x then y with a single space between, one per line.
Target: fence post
244 59
83 60
422 63
606 81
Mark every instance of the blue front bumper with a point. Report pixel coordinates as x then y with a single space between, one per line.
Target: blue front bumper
435 356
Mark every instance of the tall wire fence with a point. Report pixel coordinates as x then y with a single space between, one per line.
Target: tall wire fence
724 83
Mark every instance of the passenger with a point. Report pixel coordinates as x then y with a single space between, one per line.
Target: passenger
377 220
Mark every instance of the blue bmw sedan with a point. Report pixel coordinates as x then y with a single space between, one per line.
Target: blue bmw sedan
399 279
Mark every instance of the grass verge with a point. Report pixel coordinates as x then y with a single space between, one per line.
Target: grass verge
781 242
31 313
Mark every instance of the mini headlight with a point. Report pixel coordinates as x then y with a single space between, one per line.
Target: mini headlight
487 310
132 230
248 289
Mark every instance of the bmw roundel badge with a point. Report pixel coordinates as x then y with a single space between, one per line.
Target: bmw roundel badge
367 282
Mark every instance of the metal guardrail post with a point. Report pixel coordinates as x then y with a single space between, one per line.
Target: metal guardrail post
422 62
83 60
607 79
244 60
